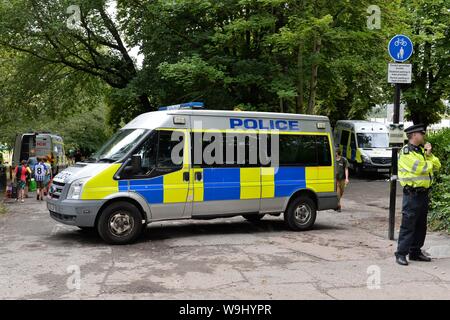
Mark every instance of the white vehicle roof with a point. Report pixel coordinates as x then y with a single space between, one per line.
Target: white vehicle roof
362 125
155 119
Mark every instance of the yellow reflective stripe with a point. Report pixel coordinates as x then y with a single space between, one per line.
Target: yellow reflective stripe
175 189
252 131
102 184
320 179
250 183
267 182
198 185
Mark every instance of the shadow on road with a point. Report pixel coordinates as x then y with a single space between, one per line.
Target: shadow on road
168 230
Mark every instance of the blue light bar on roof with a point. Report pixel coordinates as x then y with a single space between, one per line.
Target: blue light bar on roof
187 105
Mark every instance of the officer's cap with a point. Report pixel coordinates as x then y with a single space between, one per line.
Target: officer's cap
416 128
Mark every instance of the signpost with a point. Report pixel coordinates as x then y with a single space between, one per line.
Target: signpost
400 49
399 73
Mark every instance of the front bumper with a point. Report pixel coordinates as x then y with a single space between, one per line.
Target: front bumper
81 213
375 168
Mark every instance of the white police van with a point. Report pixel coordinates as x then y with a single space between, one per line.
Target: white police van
183 163
365 144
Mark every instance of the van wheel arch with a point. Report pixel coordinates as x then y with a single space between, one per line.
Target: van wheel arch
304 192
121 199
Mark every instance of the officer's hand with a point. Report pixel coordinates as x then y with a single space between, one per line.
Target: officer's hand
346 182
428 148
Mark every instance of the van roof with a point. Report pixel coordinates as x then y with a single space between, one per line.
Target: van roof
156 119
254 114
362 125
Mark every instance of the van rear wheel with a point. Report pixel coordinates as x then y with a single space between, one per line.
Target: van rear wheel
120 223
253 217
301 214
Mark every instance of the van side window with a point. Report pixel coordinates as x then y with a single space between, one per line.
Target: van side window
323 151
298 150
148 153
156 155
344 137
239 150
166 145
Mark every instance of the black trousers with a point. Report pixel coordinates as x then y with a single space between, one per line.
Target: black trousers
414 223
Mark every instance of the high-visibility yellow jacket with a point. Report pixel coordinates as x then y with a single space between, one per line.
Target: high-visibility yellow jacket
415 167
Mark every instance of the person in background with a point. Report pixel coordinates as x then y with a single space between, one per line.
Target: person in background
40 172
48 175
77 156
20 176
341 176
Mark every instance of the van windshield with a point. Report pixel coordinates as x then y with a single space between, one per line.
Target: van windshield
373 140
118 145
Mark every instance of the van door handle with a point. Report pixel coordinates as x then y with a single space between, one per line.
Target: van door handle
186 176
198 176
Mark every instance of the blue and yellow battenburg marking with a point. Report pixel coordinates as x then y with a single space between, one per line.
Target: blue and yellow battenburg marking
218 184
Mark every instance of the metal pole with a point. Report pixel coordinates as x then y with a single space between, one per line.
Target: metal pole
394 164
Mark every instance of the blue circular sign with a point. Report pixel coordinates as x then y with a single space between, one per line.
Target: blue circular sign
400 48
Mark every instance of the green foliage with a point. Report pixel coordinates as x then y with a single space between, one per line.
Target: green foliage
430 20
267 55
439 217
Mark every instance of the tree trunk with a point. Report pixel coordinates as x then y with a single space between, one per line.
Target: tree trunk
299 105
313 82
143 99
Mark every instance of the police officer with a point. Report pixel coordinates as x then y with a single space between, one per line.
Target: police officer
415 172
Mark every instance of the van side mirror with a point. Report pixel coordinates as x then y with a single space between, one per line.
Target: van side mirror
136 163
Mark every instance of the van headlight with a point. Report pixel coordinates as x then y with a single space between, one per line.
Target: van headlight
76 188
365 159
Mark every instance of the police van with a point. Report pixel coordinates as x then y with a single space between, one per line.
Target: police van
30 146
170 164
365 144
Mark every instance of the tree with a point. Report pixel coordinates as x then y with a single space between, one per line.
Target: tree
59 36
273 55
431 71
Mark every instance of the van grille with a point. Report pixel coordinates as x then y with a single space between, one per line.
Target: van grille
63 217
56 190
381 160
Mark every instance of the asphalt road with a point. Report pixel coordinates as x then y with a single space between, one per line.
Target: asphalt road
347 255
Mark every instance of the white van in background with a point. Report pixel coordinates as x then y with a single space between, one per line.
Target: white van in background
365 144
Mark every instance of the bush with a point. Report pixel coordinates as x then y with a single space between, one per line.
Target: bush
439 217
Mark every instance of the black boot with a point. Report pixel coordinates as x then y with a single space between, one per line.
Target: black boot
419 257
401 260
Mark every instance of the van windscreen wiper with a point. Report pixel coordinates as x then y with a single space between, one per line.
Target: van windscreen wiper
106 160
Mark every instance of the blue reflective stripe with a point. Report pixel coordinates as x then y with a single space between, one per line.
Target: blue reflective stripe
288 180
221 184
151 189
353 155
123 185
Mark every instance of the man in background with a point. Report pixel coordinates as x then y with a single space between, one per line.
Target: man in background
341 176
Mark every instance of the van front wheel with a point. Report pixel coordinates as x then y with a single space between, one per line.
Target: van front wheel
120 223
301 214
